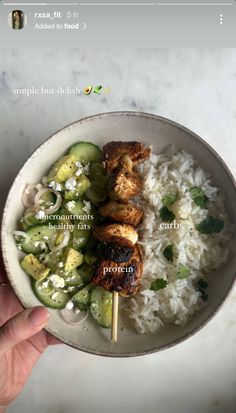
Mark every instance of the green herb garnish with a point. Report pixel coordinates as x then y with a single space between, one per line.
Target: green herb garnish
198 196
168 252
166 215
210 225
202 286
169 199
158 284
182 272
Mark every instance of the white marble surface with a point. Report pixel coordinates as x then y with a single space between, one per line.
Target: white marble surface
193 87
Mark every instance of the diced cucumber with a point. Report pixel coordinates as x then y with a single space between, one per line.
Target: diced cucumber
66 263
92 244
82 185
93 218
96 194
86 152
101 306
35 235
72 289
73 259
63 169
53 259
63 223
49 296
70 195
81 299
59 237
74 207
33 267
97 172
74 279
86 271
29 219
80 237
90 258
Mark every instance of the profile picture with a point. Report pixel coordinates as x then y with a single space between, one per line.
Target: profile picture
17 19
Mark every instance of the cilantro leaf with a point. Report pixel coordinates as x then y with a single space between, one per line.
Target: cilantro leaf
210 225
168 252
158 284
166 215
169 199
198 196
182 272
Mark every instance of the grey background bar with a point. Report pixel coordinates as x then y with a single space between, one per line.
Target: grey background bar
123 2
125 26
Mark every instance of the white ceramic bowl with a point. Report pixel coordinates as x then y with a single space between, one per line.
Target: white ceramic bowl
100 129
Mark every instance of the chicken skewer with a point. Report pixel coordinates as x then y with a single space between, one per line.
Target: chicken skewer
125 183
123 277
120 266
120 272
113 152
125 212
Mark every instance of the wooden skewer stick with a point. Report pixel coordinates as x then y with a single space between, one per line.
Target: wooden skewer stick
115 307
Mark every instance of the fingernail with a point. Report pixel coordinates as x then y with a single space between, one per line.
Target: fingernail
38 316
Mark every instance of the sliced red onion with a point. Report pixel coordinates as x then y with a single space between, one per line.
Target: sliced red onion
52 208
39 186
64 242
20 234
28 215
73 318
29 195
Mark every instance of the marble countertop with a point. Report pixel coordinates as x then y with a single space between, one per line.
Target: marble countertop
193 87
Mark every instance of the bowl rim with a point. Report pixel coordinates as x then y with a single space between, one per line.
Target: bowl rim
86 119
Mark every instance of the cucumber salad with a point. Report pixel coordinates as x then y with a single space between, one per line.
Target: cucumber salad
56 234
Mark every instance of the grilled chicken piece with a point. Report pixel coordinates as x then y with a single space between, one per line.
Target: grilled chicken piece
115 252
125 183
121 234
113 152
121 277
127 212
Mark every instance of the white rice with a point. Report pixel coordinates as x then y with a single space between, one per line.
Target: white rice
171 172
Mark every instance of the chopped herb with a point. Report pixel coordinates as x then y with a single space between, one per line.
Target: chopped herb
202 286
210 225
166 215
198 196
158 284
182 272
168 252
169 199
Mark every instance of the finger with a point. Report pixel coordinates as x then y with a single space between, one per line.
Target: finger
21 327
10 306
52 340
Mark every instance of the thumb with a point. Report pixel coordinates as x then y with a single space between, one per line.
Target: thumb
21 327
